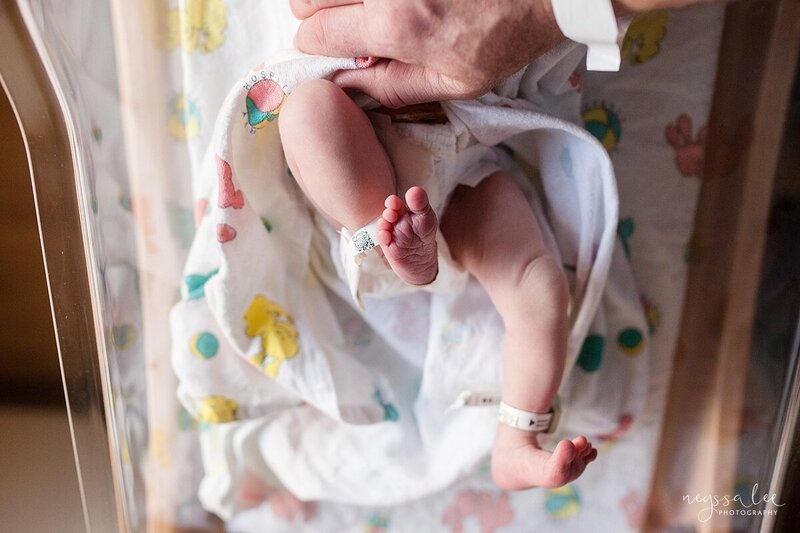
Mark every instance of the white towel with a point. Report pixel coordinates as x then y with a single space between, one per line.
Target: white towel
355 401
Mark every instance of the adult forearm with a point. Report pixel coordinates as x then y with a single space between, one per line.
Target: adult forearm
436 49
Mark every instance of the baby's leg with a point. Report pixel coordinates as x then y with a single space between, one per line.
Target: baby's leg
492 231
336 158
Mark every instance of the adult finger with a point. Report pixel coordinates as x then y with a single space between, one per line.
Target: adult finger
335 32
396 84
303 9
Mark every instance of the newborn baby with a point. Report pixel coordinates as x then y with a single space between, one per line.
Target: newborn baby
491 231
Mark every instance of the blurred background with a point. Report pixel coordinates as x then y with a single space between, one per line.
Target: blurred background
38 482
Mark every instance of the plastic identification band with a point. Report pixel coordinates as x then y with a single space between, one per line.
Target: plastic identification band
365 239
470 398
525 420
591 22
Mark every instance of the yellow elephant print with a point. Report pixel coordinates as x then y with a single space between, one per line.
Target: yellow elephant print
216 410
643 39
193 24
275 326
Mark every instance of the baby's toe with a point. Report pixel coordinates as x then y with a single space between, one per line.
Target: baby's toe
393 202
416 199
581 443
384 237
390 215
588 449
560 469
583 446
565 452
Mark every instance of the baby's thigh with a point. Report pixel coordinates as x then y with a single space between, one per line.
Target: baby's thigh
334 154
320 115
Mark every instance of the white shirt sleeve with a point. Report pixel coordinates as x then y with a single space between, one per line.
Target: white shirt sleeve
592 22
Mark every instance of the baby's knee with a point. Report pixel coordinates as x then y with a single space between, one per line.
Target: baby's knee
544 276
312 103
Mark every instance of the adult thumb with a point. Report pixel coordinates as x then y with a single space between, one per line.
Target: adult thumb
397 84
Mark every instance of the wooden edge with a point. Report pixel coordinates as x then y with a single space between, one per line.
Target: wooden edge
755 76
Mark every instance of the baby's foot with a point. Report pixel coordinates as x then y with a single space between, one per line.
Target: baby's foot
407 234
519 463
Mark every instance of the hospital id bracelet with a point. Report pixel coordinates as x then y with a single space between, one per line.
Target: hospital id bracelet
591 22
365 239
526 420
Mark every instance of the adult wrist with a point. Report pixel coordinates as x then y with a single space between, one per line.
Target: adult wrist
544 16
541 17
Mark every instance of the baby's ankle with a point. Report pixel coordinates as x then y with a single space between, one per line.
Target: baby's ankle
513 437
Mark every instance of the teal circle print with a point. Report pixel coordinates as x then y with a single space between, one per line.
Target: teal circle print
204 345
630 340
591 354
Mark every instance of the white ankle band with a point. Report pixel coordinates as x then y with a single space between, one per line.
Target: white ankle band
526 420
352 252
516 418
366 238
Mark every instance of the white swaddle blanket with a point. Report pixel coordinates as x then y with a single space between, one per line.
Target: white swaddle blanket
351 405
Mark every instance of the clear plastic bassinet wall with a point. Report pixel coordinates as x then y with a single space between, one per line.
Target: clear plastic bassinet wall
695 386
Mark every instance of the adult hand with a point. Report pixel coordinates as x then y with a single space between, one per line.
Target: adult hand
434 49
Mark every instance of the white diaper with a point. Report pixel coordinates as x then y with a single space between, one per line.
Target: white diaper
437 157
